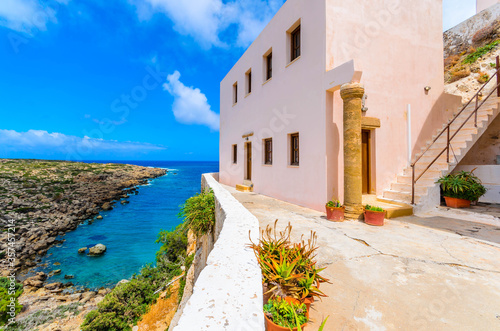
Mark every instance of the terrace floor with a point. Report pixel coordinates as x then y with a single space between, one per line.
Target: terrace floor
415 273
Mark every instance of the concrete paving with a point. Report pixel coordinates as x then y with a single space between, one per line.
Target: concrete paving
411 274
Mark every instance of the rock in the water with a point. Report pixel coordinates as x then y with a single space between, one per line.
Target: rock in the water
56 272
82 250
123 281
98 249
69 276
99 217
124 202
107 206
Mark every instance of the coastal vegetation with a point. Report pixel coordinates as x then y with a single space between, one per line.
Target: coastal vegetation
128 302
9 295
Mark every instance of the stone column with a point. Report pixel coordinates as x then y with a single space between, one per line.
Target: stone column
351 94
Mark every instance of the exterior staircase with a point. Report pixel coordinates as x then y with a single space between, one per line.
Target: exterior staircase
401 189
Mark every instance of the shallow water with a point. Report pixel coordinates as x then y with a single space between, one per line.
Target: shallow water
129 231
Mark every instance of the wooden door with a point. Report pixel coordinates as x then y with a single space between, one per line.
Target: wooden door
249 161
365 151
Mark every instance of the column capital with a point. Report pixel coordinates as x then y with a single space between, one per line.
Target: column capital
352 91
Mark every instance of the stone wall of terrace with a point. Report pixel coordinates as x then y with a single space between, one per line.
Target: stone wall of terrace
224 285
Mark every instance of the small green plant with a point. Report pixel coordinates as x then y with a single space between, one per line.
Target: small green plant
334 204
483 77
463 185
9 294
286 314
199 212
493 65
374 208
474 56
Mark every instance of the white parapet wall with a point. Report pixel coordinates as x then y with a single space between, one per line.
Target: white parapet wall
227 294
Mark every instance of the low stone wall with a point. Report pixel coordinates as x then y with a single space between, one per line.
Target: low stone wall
227 291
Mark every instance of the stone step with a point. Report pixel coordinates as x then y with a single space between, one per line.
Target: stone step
431 173
244 188
400 196
406 188
424 181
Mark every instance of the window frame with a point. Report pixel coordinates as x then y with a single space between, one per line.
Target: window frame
269 66
235 93
294 149
248 76
268 151
295 43
235 153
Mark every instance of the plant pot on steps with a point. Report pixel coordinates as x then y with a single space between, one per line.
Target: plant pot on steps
335 214
457 203
270 326
375 218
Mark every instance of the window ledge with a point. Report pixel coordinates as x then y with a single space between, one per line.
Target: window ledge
293 166
267 81
267 165
248 94
234 104
289 64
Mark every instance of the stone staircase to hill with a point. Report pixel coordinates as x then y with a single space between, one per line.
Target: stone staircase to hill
401 189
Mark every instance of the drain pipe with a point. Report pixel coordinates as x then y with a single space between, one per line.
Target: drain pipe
408 130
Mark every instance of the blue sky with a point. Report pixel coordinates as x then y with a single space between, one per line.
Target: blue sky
125 79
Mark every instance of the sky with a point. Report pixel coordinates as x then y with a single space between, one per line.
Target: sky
125 79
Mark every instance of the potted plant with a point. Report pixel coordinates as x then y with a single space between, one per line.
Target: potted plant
335 211
374 215
461 188
282 315
289 269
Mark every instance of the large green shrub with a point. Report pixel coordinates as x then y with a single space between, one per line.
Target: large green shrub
463 185
199 212
9 293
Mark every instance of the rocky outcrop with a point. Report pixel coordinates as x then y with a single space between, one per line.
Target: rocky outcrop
96 250
44 199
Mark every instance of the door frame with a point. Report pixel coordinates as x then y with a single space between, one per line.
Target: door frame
368 168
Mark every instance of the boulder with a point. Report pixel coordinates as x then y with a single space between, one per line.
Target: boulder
107 206
98 249
82 250
99 217
69 276
123 281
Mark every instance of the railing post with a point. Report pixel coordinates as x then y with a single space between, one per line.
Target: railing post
448 145
475 111
413 184
498 76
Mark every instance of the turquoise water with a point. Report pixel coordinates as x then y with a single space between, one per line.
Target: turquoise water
128 231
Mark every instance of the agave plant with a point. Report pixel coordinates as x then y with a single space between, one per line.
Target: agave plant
288 269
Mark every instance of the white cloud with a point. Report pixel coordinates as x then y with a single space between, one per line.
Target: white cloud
39 140
28 15
206 20
190 105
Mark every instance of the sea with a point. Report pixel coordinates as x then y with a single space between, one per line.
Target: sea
129 231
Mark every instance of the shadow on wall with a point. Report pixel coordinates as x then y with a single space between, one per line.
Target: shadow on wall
441 113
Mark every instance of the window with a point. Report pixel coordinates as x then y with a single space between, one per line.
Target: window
294 149
235 93
235 154
295 43
249 81
269 66
268 151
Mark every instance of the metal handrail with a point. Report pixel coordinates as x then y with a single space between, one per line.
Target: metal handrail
448 126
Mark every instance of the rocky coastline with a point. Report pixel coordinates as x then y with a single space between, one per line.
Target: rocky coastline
42 200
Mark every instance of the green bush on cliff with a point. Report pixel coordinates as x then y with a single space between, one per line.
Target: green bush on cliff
199 212
9 293
125 304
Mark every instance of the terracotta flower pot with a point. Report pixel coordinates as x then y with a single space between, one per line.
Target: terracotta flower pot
308 301
457 203
335 214
375 218
270 326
